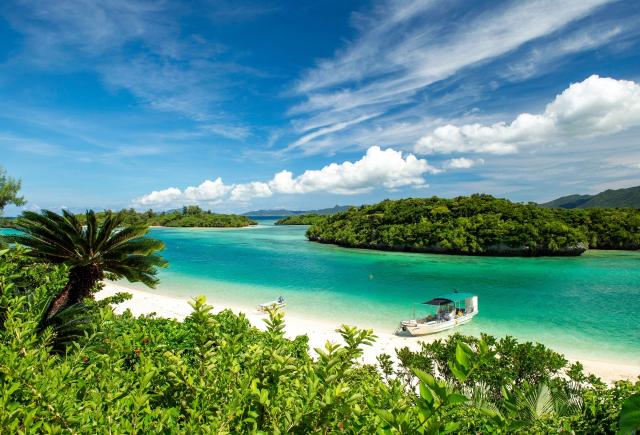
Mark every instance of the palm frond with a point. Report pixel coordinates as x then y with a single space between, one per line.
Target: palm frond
110 247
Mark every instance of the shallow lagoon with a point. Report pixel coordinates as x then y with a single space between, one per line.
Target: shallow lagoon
587 306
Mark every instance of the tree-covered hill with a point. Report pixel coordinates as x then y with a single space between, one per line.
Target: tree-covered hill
620 198
188 216
302 219
284 212
479 225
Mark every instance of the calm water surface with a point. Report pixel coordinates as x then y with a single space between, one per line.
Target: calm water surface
587 306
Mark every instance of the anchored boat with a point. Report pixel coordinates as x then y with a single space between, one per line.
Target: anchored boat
451 310
278 303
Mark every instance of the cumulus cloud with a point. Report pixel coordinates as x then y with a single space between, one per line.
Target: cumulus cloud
387 168
596 106
165 196
247 191
463 163
207 191
378 168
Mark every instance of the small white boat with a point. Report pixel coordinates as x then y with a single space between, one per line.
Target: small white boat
452 309
278 303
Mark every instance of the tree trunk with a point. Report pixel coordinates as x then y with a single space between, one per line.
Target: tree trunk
81 281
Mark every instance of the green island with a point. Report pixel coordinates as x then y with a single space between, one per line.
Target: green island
479 225
301 219
189 216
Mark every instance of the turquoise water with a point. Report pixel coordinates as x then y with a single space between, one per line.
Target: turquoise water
587 306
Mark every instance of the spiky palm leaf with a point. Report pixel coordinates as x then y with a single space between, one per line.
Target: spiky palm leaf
540 402
90 251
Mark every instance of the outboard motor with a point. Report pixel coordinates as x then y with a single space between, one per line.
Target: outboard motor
471 304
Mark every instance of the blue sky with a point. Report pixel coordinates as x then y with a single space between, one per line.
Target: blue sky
239 105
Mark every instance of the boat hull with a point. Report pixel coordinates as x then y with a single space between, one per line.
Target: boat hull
416 328
263 308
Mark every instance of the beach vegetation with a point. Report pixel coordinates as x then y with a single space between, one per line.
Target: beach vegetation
215 373
479 225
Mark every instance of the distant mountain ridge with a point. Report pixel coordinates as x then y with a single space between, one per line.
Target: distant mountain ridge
618 198
283 212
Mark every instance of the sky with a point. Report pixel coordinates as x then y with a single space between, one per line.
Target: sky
246 104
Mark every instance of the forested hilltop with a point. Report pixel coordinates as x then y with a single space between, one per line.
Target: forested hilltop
302 219
284 212
629 197
479 225
188 216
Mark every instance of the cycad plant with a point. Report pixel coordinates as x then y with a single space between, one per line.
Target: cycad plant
89 250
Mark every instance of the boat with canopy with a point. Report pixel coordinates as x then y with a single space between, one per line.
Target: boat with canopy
451 310
276 304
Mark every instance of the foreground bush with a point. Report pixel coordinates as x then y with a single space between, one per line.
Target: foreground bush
98 372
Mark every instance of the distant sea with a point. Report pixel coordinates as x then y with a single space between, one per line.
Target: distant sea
585 307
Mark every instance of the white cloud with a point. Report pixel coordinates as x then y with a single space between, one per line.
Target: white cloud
594 107
403 47
388 169
463 163
158 197
207 191
247 191
330 129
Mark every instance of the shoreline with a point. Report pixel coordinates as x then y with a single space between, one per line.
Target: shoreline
319 332
208 228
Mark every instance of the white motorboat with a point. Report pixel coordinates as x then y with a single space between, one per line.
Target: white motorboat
451 310
277 304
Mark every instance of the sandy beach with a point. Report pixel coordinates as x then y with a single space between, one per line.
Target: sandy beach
146 302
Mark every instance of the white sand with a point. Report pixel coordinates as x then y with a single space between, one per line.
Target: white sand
145 302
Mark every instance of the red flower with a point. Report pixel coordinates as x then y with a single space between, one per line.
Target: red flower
137 351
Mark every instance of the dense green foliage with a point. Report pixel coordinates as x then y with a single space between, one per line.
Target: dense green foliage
479 225
618 198
188 216
98 372
302 219
9 188
6 222
90 250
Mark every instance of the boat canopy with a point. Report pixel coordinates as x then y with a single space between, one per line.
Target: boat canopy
449 298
